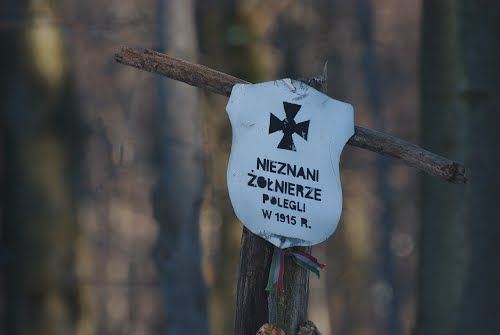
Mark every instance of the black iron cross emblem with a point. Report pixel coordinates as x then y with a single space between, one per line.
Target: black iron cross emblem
288 126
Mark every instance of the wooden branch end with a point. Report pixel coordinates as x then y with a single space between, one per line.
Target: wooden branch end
180 70
456 173
411 154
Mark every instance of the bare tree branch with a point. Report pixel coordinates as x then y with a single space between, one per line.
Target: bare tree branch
221 83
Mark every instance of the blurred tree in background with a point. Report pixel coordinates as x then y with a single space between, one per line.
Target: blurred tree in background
443 233
126 227
42 158
177 197
459 278
479 29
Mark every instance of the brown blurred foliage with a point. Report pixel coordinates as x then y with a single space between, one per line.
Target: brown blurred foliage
96 232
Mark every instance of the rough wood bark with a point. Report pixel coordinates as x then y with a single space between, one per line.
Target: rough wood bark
178 69
251 302
288 308
308 328
268 329
221 83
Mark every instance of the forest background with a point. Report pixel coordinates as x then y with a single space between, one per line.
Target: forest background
115 216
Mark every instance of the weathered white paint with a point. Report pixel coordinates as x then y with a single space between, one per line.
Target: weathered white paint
306 209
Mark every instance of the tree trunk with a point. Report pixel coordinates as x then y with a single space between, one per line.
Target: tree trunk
288 308
42 153
177 197
443 252
479 31
251 302
460 273
385 272
443 240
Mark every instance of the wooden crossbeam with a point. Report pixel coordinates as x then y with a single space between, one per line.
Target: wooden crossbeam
222 83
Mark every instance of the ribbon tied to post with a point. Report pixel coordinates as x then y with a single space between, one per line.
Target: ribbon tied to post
301 258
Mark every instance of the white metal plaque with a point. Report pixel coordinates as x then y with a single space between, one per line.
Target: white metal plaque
283 172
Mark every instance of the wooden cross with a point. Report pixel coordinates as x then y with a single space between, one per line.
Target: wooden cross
287 309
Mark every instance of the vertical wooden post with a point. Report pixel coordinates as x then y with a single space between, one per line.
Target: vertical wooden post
251 296
288 308
254 307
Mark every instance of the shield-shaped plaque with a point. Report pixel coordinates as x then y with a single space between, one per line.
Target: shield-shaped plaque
283 172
